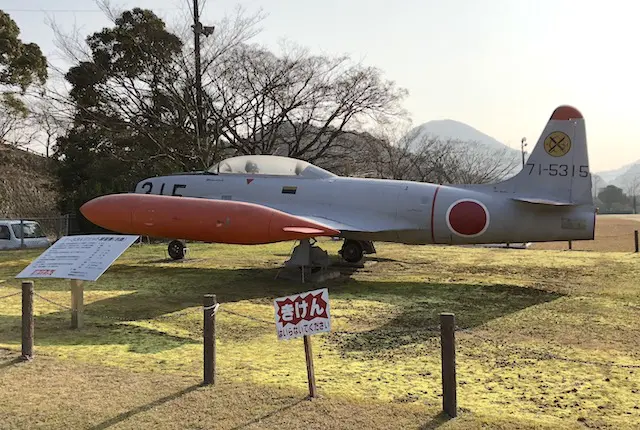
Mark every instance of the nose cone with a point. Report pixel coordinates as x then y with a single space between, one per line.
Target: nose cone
113 212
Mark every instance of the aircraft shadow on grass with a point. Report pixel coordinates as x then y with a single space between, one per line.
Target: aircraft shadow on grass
158 291
54 330
165 290
419 316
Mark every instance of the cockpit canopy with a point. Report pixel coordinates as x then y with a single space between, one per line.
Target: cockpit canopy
269 165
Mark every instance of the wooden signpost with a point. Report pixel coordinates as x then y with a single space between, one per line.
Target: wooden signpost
448 353
27 320
209 334
303 315
77 303
78 258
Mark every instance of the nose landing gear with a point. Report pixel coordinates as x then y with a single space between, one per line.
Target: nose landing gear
176 250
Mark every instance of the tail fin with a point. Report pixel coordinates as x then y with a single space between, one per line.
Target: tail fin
557 171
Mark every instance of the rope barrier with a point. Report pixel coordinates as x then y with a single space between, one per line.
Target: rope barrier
429 329
157 317
247 317
525 353
214 307
178 314
10 295
608 237
109 317
65 307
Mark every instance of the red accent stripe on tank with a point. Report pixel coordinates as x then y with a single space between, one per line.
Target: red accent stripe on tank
433 209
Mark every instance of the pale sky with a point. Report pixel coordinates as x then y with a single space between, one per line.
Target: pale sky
501 66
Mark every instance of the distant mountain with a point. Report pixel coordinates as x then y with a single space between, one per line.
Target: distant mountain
629 180
468 136
622 177
611 175
448 128
626 177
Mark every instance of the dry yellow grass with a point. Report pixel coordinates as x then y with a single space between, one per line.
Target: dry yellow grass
614 233
48 394
548 339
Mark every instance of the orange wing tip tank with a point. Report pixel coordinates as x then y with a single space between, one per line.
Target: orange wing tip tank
199 219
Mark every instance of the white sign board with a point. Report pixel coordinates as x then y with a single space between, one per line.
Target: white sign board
302 314
84 257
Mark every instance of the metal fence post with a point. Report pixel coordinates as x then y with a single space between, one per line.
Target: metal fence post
21 233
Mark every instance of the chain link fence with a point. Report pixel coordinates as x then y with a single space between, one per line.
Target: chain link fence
52 226
56 226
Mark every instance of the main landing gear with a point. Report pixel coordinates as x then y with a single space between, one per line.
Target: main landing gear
312 261
176 250
353 251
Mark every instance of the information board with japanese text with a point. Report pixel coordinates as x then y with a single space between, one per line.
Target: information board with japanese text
302 314
83 257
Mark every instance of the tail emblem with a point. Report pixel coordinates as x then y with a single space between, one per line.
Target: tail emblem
557 144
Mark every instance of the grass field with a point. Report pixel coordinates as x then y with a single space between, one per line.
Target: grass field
547 339
613 233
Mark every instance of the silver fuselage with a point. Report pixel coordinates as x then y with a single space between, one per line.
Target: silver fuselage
388 210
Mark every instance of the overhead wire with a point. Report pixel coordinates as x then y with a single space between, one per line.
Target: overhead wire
75 10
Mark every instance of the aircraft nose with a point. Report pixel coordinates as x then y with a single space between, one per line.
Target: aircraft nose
112 212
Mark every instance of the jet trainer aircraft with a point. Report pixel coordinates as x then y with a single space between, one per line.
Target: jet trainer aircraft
256 199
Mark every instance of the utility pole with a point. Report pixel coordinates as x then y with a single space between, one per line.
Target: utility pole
523 143
206 31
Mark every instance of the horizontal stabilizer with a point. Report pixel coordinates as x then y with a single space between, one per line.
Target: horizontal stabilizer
543 201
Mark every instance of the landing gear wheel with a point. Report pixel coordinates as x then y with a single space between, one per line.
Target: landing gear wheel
352 251
176 250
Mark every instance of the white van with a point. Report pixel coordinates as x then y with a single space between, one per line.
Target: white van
11 235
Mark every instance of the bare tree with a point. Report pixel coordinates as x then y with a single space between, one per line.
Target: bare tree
474 163
413 155
632 183
255 101
595 182
49 120
295 104
13 125
389 152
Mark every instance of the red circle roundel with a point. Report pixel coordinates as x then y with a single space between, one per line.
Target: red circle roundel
468 218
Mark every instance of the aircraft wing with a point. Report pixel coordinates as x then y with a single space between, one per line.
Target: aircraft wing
349 225
539 201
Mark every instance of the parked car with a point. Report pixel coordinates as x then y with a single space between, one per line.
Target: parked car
16 234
